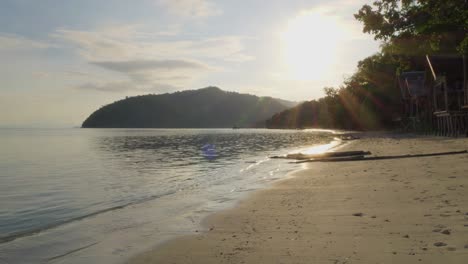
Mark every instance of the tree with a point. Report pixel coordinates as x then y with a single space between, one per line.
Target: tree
418 26
369 98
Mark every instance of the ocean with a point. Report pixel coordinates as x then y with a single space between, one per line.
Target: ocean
103 195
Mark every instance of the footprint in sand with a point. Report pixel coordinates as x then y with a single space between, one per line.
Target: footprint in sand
440 244
446 232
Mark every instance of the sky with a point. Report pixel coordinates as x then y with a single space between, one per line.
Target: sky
61 60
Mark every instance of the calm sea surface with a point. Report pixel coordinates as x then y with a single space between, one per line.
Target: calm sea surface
101 195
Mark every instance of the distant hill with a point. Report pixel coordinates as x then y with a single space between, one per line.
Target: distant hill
209 107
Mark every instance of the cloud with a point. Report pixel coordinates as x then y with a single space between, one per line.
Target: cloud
147 59
191 8
130 43
41 74
79 73
15 42
145 65
147 72
107 87
127 86
227 48
63 73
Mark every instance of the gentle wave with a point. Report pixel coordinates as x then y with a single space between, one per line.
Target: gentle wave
79 218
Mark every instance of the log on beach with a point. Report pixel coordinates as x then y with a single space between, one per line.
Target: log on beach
301 156
361 157
330 159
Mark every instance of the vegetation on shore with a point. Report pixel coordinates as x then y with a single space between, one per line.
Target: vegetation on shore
370 99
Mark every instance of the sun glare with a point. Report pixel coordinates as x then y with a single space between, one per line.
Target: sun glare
310 44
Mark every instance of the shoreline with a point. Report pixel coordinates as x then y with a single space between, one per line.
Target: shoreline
374 211
164 203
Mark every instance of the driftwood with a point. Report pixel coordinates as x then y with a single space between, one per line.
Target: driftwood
361 157
300 156
348 137
343 158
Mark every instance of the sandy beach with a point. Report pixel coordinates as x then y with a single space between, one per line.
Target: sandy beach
412 210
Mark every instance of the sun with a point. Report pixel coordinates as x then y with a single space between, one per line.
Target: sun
310 45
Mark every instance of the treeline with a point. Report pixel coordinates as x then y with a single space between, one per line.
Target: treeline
366 100
370 98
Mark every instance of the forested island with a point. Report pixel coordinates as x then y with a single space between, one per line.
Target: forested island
209 107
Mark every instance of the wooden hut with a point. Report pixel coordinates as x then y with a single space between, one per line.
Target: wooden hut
450 94
416 99
436 97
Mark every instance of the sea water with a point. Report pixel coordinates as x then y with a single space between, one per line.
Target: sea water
103 195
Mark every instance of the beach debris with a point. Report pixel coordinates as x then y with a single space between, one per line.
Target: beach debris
361 157
440 244
301 156
358 214
406 236
348 137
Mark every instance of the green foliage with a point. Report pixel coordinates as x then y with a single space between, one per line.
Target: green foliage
418 26
208 107
370 99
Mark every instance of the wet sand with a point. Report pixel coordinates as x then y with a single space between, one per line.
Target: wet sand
411 210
